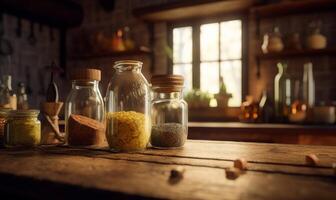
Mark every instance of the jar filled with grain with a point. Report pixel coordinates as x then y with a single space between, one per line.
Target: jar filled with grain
22 128
84 110
128 108
169 112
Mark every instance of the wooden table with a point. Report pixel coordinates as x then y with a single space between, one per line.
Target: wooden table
275 172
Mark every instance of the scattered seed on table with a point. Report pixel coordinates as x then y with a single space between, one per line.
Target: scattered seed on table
177 172
312 160
232 173
240 164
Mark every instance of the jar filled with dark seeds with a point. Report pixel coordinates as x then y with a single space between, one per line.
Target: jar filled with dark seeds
169 112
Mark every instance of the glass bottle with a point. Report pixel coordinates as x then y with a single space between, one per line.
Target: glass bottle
22 99
22 128
84 110
308 85
128 117
266 108
169 112
298 107
8 97
282 92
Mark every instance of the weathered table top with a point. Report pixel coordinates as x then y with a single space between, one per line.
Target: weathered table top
275 172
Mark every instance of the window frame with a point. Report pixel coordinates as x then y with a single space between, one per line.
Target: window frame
196 57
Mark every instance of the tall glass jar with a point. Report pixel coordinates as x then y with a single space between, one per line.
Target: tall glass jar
22 128
128 108
84 110
169 112
282 92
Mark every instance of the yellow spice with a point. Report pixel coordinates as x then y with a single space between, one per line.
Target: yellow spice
23 132
127 130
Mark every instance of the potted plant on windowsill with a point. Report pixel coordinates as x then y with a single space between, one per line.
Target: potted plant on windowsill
197 99
223 96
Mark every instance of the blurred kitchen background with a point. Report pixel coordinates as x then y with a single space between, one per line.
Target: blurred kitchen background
255 70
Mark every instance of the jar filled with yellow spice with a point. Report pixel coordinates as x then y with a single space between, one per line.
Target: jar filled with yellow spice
22 128
128 119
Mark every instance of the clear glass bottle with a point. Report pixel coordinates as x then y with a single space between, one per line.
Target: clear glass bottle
22 128
308 85
22 98
8 96
169 112
84 110
282 92
128 116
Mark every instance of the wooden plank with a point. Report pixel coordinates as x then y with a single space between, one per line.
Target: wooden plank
152 180
293 7
253 152
172 160
191 9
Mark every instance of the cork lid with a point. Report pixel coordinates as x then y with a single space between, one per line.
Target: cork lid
85 74
167 83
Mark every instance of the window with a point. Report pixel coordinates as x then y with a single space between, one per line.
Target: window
203 53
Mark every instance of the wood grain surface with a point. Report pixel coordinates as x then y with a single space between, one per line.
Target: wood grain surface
274 172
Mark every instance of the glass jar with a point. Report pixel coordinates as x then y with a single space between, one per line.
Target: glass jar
84 110
22 128
128 108
169 112
8 97
3 120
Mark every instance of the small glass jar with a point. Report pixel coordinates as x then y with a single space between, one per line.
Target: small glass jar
84 110
169 112
3 120
22 128
128 108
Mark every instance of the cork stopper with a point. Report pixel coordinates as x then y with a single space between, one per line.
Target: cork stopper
86 74
167 83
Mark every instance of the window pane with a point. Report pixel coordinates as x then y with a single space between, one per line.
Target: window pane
210 42
231 39
182 45
186 71
210 77
231 71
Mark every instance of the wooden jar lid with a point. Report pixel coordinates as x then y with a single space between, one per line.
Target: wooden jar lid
167 83
86 74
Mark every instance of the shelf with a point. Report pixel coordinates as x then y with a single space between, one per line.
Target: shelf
293 7
191 9
135 52
294 54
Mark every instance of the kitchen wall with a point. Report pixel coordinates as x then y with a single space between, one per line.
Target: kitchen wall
28 60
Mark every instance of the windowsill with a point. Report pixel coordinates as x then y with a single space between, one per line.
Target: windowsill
214 114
